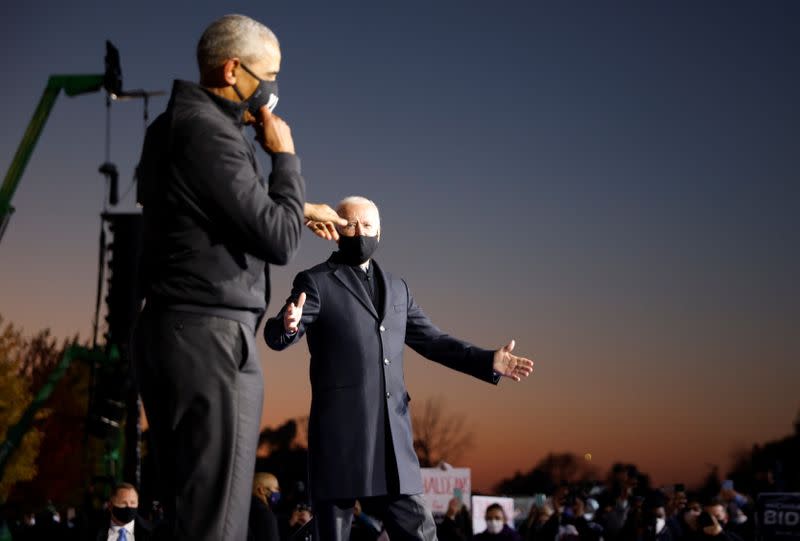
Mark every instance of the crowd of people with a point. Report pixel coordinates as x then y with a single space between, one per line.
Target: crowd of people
621 509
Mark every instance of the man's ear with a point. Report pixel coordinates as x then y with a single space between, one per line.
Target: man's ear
221 76
229 71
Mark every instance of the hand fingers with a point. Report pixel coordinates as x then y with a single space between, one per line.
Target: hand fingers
522 366
523 362
301 299
324 230
317 230
331 229
264 114
509 346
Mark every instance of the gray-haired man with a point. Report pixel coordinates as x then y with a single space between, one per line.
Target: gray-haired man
358 318
212 226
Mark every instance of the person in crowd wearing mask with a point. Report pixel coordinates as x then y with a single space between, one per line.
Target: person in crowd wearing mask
655 516
456 524
676 504
298 530
496 527
541 524
712 521
615 507
583 513
124 523
358 318
738 522
263 525
212 225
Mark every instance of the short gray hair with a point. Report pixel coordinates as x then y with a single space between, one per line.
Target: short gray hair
233 36
355 200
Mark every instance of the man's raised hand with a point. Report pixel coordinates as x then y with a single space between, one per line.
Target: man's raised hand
293 313
509 365
273 133
322 220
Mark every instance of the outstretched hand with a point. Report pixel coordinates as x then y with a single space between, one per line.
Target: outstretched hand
293 313
509 365
322 220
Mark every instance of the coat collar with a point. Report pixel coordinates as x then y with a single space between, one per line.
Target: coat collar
347 276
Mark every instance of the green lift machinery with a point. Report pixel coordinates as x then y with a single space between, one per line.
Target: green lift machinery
114 353
72 85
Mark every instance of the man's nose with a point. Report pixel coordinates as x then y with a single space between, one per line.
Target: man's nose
359 230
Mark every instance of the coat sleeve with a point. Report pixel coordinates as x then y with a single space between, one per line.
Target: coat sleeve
432 343
267 219
274 333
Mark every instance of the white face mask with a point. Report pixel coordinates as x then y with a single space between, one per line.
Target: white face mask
494 526
660 523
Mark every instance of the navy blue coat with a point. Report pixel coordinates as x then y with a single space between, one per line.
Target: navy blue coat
357 378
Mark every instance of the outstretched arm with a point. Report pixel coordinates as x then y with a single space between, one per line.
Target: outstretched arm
299 312
432 343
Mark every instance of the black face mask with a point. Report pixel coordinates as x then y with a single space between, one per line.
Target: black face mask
124 514
356 250
266 93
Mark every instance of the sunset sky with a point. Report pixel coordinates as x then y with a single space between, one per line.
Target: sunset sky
613 184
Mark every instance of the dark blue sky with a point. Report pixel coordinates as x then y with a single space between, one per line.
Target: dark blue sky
615 185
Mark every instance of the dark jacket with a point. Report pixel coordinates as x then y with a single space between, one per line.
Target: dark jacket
357 379
262 524
211 221
142 530
506 534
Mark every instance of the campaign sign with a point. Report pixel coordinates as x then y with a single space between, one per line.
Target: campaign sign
440 486
778 516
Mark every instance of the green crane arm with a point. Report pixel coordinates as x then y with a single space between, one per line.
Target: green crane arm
72 85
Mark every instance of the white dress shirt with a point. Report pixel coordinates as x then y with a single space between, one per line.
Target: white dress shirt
113 532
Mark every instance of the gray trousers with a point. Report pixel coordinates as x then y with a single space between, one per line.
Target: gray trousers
405 518
201 384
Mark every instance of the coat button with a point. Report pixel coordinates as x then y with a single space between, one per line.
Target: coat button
386 361
388 395
383 328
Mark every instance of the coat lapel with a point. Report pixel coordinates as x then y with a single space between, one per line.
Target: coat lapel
348 278
387 288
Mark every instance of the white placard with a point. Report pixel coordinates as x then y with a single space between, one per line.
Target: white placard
479 505
440 486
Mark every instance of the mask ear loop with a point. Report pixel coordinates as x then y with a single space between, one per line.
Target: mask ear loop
256 77
236 87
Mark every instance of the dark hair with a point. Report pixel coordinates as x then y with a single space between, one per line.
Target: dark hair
122 486
496 507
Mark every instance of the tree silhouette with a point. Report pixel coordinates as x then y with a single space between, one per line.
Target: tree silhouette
773 466
439 436
15 395
282 452
53 451
553 470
